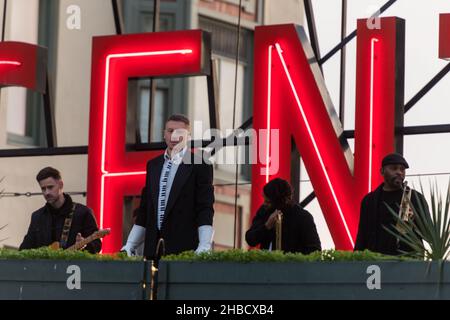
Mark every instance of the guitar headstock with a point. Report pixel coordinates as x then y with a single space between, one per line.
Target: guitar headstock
96 235
102 233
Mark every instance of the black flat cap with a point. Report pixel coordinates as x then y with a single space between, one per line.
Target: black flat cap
394 158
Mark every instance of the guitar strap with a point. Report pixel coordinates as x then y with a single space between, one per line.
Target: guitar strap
66 228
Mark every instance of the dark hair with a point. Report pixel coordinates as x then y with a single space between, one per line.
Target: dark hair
279 192
179 118
48 172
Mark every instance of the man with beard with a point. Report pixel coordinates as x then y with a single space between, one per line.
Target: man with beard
375 214
60 220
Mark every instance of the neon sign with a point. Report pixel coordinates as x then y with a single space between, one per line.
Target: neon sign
444 31
290 95
23 64
114 173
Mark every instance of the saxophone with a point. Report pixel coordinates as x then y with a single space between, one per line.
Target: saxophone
278 230
405 214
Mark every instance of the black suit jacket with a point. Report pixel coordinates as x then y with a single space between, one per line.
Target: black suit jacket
190 205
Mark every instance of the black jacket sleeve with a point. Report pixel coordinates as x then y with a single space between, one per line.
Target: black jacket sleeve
204 195
30 241
420 205
89 227
258 233
309 235
361 238
141 217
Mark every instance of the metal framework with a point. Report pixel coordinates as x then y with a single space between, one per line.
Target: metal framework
50 124
118 21
343 62
5 5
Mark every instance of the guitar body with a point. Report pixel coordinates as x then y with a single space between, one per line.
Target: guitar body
55 246
80 245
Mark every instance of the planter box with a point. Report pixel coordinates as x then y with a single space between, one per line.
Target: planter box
47 279
315 280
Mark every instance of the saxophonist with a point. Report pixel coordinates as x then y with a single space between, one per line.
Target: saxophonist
374 213
280 223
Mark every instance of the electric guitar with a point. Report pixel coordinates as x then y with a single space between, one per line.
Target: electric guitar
80 245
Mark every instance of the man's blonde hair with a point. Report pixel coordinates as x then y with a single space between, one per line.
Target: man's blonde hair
179 118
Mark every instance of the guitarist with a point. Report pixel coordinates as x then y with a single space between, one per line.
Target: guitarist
60 219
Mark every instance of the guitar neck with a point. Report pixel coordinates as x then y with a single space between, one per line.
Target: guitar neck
82 243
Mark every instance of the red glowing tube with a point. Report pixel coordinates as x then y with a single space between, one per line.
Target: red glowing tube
444 36
290 96
23 65
112 172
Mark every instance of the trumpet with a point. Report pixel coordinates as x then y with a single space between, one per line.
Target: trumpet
278 230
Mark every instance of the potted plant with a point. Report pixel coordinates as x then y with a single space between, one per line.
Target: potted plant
47 274
330 274
427 233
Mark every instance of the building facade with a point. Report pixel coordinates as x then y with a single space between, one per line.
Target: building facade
66 28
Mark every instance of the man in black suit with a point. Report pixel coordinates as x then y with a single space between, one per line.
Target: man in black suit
47 223
177 200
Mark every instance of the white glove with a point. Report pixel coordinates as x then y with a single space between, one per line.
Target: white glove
135 239
205 235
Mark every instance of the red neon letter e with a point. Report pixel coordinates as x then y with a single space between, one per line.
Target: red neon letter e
112 172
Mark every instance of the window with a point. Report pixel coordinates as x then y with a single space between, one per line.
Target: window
25 115
171 94
224 38
155 121
25 120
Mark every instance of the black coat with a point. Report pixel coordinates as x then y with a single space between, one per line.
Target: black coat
190 205
370 230
299 233
40 230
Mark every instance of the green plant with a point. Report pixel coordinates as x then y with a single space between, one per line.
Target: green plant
278 256
432 228
45 253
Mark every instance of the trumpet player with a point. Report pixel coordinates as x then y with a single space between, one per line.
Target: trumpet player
281 223
375 214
